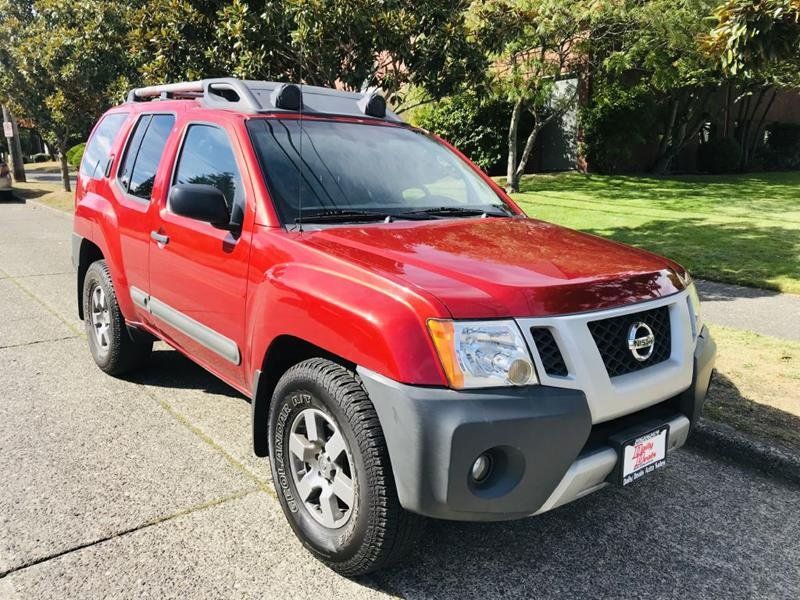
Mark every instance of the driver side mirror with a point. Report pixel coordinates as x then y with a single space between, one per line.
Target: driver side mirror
200 202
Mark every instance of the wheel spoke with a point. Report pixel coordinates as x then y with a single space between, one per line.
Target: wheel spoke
311 426
307 484
329 507
343 488
335 446
302 448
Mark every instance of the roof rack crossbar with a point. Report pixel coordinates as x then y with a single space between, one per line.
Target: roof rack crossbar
207 89
256 97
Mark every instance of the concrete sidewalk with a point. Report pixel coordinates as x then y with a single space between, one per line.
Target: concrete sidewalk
763 311
147 488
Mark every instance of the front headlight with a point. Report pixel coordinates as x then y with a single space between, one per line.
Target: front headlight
694 310
482 353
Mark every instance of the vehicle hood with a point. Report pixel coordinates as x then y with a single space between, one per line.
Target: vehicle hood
503 267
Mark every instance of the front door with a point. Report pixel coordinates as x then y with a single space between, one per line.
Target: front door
198 273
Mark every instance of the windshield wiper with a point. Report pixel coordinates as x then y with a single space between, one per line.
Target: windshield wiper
349 216
449 211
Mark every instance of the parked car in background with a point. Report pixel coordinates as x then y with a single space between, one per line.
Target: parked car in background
6 192
412 343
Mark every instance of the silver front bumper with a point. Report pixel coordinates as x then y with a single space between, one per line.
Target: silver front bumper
588 473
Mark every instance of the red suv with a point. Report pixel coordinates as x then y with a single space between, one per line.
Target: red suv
412 343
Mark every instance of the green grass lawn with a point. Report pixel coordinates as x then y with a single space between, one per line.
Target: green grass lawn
737 228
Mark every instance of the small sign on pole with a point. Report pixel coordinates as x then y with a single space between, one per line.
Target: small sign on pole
8 129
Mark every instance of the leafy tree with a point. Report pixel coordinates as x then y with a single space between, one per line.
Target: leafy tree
617 121
346 43
169 39
63 63
752 34
533 46
656 45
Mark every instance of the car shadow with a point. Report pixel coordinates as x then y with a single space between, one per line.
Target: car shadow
726 404
11 198
169 368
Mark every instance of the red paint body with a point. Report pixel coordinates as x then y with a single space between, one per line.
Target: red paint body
361 292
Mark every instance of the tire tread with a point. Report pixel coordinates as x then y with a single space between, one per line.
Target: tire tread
392 531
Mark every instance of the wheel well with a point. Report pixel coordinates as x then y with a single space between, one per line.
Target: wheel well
89 253
284 352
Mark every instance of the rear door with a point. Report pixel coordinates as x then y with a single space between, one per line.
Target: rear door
136 181
198 273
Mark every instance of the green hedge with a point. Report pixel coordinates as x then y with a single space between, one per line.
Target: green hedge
617 122
75 154
720 155
477 127
781 151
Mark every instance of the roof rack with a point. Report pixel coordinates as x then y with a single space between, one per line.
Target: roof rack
259 97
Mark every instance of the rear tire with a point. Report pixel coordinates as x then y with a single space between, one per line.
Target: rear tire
322 426
115 350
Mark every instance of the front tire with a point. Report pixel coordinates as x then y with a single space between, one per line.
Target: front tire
332 472
113 347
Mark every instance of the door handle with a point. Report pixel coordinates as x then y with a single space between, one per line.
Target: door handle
159 237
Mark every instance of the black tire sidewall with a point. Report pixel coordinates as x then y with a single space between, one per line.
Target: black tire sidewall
97 275
291 397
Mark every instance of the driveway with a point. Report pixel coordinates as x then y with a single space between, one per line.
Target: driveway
147 488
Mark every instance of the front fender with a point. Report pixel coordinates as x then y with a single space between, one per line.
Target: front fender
359 317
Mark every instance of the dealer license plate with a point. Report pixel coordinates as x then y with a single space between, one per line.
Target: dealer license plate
644 454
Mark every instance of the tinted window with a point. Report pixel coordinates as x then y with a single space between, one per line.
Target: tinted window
133 147
352 166
138 171
207 157
98 150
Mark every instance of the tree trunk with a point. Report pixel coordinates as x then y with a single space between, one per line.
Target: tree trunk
64 168
757 136
512 182
526 153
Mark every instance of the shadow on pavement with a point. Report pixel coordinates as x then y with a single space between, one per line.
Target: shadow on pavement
11 198
726 404
169 368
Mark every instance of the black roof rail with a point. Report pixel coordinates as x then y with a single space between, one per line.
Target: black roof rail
259 97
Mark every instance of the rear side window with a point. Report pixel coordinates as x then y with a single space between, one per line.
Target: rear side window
98 150
207 157
140 165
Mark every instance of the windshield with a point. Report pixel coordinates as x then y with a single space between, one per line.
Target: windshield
356 168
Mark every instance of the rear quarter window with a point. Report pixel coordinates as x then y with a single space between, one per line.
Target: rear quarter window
98 149
140 164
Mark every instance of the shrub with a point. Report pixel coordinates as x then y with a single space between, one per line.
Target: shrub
781 151
75 154
617 122
476 127
719 155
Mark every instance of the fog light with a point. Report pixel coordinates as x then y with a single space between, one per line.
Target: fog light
520 371
481 468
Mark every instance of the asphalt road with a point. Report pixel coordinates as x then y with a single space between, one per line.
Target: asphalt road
147 488
763 311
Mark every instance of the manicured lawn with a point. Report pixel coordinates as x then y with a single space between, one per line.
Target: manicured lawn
740 228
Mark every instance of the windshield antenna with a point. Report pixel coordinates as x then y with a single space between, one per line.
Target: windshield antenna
300 145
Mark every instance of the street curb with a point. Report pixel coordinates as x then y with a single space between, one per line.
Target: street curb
743 449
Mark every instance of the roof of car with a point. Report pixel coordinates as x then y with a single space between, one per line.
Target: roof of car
260 97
